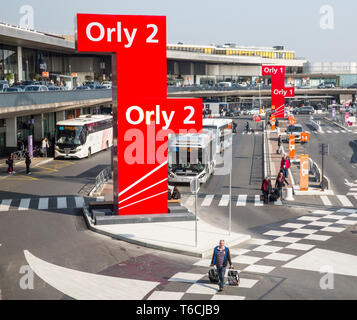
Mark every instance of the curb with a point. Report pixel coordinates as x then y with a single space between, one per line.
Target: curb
201 255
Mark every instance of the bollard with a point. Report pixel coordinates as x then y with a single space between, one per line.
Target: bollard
289 194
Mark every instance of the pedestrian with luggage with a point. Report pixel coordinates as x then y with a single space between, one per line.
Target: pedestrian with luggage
280 184
285 166
10 164
176 195
28 163
220 258
266 189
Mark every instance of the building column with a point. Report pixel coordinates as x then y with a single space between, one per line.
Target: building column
19 64
38 128
60 116
11 133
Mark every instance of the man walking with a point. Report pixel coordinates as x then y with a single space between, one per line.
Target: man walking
221 257
27 162
285 166
266 189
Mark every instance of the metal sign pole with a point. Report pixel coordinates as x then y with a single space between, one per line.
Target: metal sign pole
323 156
196 236
230 201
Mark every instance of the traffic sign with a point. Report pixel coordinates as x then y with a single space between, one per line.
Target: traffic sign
305 137
138 46
292 146
304 173
291 121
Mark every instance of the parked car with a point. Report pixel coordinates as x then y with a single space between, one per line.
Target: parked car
353 86
3 87
83 88
14 89
304 110
327 85
36 88
294 130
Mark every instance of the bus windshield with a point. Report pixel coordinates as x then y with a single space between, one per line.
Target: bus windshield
70 135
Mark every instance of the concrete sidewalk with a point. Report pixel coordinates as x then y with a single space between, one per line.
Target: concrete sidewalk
20 166
176 237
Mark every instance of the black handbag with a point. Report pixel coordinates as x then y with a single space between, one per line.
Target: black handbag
233 278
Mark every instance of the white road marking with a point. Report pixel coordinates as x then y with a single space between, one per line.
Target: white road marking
305 231
242 200
87 286
341 263
247 283
246 259
276 233
280 257
224 201
300 246
317 237
322 212
259 242
308 218
207 201
345 201
347 222
258 203
5 205
320 224
203 288
326 201
79 202
61 203
268 249
166 295
259 269
287 239
43 204
24 204
293 226
186 277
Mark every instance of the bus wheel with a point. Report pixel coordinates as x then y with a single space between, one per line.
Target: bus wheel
89 153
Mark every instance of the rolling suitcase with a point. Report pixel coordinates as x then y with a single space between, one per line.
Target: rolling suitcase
213 275
233 278
274 196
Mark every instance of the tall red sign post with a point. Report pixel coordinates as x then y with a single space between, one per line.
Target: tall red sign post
278 90
142 114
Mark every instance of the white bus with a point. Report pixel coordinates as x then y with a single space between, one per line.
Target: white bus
83 136
191 156
222 129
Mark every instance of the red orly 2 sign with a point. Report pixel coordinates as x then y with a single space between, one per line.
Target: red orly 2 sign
143 116
278 90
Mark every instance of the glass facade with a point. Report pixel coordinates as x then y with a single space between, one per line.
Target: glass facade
8 62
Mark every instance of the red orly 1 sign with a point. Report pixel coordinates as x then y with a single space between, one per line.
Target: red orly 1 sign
278 90
143 116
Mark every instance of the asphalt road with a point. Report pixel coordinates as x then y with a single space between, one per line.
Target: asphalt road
60 237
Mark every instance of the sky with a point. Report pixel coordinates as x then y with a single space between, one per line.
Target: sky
318 36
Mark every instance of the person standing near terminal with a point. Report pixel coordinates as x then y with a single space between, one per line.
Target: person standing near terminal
221 257
280 184
44 145
27 162
10 163
285 166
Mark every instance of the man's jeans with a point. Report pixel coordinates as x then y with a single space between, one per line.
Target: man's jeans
286 173
221 274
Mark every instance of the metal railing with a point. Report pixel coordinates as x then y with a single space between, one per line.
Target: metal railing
18 99
101 178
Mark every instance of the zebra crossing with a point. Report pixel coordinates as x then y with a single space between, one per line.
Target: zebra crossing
46 203
223 200
333 131
243 200
345 201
